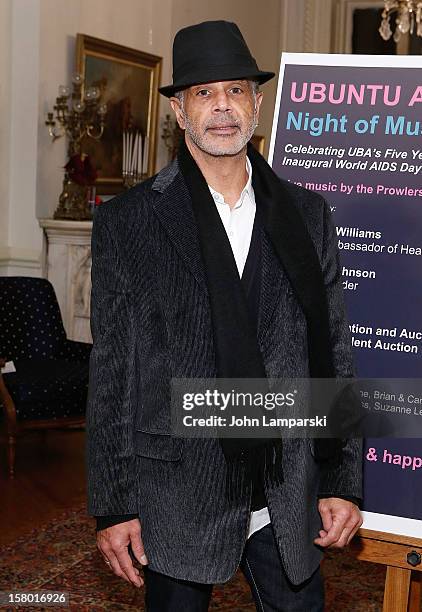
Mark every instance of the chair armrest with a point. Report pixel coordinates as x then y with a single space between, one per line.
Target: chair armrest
73 350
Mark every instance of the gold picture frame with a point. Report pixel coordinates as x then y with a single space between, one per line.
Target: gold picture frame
129 81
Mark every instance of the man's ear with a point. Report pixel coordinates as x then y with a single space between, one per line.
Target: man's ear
177 108
259 97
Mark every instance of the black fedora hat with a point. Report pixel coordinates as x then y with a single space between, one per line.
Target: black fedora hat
211 51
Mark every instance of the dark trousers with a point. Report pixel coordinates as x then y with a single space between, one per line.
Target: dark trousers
261 565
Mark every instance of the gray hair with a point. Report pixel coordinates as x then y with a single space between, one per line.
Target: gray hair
180 95
254 87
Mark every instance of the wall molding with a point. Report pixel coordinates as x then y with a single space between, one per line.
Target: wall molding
59 231
306 26
344 22
17 257
309 30
326 26
291 26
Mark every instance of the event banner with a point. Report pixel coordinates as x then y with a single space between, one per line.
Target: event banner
350 128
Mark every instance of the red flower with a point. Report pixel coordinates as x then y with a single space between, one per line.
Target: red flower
81 170
98 200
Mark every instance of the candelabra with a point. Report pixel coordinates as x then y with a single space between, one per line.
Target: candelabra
135 157
79 114
408 18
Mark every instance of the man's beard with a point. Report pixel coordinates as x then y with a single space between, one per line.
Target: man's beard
228 145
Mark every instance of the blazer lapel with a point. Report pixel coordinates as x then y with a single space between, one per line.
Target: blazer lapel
174 211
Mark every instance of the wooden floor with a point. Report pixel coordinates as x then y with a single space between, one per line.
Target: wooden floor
50 477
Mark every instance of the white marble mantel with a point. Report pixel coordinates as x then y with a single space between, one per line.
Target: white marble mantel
67 264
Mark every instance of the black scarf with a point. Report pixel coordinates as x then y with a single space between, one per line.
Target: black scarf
235 339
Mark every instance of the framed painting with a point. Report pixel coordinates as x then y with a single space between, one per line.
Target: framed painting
128 80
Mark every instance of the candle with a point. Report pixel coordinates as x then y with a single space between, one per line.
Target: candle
124 153
145 156
139 154
129 152
134 153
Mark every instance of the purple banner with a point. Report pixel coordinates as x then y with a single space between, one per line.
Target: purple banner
354 134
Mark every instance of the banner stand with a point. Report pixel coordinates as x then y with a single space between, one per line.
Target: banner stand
403 557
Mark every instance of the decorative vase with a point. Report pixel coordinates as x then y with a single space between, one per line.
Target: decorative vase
73 201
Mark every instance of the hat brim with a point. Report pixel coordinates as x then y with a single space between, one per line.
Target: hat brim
218 73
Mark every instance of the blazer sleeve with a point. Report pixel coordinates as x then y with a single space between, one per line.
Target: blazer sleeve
111 462
346 480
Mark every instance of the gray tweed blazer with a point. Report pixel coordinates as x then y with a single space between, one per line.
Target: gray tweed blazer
150 321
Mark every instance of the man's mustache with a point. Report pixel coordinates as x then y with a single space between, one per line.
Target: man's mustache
223 122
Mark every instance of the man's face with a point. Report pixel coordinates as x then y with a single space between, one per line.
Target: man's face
220 117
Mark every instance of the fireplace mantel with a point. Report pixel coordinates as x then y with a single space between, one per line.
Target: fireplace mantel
68 266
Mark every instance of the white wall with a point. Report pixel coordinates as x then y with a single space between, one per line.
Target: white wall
24 238
5 24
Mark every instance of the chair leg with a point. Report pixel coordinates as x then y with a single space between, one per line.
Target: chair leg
11 455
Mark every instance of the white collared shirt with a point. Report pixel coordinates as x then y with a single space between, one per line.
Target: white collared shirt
238 223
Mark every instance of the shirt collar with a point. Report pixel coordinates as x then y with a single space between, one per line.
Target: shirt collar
219 198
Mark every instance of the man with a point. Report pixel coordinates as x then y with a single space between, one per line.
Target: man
215 267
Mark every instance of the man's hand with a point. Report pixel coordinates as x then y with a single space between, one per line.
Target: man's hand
113 544
341 519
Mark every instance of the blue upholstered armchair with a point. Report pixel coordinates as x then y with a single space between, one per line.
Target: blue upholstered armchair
49 387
